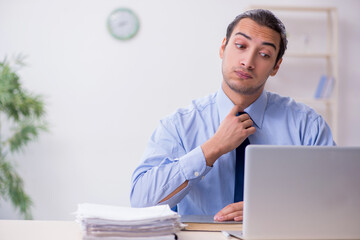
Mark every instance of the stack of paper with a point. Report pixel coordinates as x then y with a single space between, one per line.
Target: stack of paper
112 222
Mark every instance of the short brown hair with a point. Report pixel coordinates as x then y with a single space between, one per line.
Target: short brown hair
265 18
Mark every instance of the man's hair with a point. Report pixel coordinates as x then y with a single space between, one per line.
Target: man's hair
265 18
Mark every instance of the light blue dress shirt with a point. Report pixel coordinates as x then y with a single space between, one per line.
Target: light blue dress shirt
174 155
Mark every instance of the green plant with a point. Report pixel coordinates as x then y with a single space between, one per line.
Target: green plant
21 119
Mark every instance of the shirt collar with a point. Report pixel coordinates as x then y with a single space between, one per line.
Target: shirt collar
256 110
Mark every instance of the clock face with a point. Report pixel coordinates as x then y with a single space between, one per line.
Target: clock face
123 24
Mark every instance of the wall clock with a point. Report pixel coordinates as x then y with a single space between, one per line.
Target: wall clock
123 24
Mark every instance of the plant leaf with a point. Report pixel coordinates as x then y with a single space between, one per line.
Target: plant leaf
25 132
11 186
16 102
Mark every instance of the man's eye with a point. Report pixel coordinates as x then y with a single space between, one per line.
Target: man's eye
264 55
238 45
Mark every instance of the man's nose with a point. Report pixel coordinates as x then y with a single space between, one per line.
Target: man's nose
248 60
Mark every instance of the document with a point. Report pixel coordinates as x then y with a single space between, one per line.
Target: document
114 222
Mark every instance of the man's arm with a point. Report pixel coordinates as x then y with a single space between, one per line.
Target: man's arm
319 134
181 187
232 130
166 166
175 175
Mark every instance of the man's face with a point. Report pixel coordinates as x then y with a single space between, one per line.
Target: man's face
249 57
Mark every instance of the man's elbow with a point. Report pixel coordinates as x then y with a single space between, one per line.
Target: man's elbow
140 199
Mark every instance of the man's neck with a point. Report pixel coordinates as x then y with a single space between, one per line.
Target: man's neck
241 100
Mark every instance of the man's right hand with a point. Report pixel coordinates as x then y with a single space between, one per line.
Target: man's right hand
233 130
232 212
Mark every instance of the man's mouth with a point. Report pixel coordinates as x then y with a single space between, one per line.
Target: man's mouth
242 74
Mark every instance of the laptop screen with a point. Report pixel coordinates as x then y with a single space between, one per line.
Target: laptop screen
301 192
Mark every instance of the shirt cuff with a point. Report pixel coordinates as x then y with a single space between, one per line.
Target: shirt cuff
193 164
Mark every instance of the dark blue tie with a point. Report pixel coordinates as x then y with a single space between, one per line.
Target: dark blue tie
239 170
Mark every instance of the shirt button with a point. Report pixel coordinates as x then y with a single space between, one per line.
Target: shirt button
196 174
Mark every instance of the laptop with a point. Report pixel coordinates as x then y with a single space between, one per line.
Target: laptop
301 192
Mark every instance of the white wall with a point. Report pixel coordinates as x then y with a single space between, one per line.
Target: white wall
105 97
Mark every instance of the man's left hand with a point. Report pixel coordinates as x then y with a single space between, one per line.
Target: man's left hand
232 212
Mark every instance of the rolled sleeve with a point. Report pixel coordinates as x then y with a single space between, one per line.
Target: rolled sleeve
174 156
193 165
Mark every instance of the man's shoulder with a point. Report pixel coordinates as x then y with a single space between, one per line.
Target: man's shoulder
303 122
198 106
289 105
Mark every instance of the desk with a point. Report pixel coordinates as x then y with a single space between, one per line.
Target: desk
70 230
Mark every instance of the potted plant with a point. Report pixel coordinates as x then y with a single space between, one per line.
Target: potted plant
21 120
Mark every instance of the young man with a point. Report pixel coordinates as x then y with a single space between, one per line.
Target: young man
190 159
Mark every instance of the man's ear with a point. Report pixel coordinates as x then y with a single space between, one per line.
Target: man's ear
276 68
222 48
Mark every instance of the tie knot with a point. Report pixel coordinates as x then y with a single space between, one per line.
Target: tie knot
240 113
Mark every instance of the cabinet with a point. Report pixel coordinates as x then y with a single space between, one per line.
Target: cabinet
312 53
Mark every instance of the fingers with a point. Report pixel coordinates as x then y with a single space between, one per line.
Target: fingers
235 110
246 120
233 130
247 124
232 211
242 117
251 130
238 206
235 216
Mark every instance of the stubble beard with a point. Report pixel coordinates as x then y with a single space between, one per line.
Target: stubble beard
243 90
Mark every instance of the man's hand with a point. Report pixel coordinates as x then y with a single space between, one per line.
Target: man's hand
232 212
233 130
